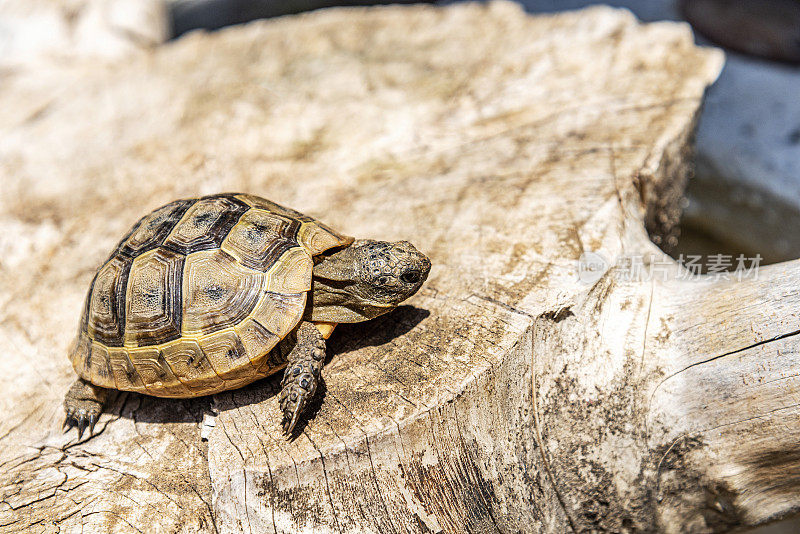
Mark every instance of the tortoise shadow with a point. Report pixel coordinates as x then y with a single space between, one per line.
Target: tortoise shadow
146 409
376 332
346 338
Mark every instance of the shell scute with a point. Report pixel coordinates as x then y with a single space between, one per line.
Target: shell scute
318 238
153 301
228 356
291 273
260 238
264 204
205 224
279 313
157 375
218 292
100 366
191 366
198 296
153 228
257 340
106 302
313 235
80 353
125 374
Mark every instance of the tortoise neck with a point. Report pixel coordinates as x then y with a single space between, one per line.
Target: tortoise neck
335 302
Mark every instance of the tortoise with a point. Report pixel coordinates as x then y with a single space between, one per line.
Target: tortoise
209 294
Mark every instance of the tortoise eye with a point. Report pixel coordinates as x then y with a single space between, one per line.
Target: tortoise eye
410 277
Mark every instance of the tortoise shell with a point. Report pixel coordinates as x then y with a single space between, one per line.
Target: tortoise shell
196 296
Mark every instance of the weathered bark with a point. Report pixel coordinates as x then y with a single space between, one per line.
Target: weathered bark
508 395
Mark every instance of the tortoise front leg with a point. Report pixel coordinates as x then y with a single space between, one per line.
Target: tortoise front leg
302 374
83 404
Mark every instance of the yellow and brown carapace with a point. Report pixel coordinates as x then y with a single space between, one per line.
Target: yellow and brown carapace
209 294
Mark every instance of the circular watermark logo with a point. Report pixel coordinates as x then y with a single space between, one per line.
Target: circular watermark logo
591 267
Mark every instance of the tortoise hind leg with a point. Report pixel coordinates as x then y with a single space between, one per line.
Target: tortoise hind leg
83 405
302 374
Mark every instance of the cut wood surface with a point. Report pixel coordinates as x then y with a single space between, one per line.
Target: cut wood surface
511 394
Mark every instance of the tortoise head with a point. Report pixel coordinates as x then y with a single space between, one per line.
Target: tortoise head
364 280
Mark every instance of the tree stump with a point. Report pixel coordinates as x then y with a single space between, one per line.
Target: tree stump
516 392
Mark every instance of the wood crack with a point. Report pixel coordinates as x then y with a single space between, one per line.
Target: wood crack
327 482
503 305
729 353
540 442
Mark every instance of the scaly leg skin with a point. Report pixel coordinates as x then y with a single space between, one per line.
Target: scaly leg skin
302 374
83 404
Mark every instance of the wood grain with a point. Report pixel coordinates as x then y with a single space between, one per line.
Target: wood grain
509 394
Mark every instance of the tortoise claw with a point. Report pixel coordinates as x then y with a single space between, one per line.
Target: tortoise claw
288 424
292 401
81 425
83 405
68 421
80 420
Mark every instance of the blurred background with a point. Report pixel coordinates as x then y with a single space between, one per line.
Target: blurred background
744 198
746 192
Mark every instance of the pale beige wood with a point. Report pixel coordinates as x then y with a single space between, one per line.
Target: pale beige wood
42 34
508 395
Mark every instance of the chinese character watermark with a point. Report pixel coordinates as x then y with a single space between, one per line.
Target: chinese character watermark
637 268
591 267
